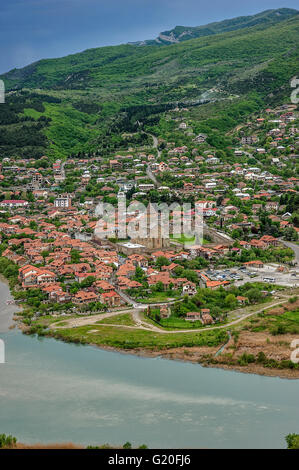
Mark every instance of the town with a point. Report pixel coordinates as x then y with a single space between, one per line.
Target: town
59 264
149 228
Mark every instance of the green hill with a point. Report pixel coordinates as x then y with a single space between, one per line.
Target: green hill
184 33
84 101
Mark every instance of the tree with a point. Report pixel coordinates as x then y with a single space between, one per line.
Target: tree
292 441
159 287
30 197
45 254
162 261
192 276
254 295
230 300
178 270
88 282
236 233
290 234
33 225
11 271
127 445
7 441
75 256
140 275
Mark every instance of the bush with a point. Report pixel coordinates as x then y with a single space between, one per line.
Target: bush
261 358
127 445
246 359
279 330
7 441
292 441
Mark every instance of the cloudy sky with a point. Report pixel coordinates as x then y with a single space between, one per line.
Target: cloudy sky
34 29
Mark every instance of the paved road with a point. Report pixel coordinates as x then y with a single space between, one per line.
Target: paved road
148 170
151 176
155 140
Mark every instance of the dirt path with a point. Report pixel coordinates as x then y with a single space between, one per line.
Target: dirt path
244 317
143 325
90 320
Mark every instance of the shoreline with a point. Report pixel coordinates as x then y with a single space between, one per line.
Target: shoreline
168 355
7 312
250 369
176 354
179 355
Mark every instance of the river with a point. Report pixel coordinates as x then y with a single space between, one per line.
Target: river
52 391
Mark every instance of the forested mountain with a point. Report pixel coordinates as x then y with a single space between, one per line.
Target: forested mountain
84 101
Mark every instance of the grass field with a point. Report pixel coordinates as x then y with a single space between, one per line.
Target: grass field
138 339
124 319
157 297
287 322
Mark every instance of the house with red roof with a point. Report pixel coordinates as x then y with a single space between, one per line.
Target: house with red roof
254 264
83 297
112 298
13 203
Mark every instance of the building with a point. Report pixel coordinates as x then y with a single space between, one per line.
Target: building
63 202
189 288
254 264
112 298
206 317
37 179
83 297
12 203
164 312
201 138
249 140
146 187
193 316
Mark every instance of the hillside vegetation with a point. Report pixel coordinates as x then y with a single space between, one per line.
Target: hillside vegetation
84 101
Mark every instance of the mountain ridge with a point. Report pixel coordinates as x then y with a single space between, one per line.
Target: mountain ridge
184 33
86 101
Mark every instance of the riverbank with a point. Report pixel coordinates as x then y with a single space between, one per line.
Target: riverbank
237 356
241 356
6 311
199 356
87 395
241 353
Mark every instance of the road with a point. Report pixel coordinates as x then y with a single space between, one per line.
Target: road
217 236
149 172
141 324
151 176
155 141
128 299
235 322
142 306
88 320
